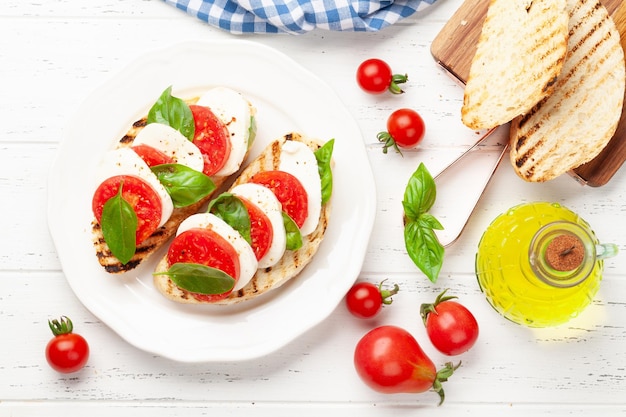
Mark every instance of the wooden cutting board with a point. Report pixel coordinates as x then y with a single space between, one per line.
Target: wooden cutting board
454 47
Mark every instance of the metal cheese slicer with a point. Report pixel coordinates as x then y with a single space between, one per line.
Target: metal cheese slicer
462 183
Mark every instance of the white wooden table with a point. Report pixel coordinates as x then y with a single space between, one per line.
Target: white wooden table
54 53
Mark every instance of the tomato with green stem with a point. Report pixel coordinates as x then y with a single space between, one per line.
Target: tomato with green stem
451 327
405 129
388 359
66 352
374 76
365 300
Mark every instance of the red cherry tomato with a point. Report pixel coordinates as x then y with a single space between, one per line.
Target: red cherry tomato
205 247
374 76
365 300
405 129
389 360
66 352
288 190
139 194
451 327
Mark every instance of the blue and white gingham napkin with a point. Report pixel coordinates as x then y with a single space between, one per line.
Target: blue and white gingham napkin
299 16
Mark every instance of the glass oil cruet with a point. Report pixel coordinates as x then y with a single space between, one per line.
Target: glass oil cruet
540 264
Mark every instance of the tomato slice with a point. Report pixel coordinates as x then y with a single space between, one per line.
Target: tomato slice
289 192
139 194
205 247
151 156
212 138
261 231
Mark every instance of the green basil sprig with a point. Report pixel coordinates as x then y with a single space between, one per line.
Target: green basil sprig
294 237
233 211
186 186
324 156
420 239
174 112
119 227
199 279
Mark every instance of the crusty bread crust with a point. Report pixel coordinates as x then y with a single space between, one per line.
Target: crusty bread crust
289 266
573 124
518 58
108 261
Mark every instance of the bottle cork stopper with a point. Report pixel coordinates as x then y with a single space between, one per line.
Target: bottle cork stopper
565 253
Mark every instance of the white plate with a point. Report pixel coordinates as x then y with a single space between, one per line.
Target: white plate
288 98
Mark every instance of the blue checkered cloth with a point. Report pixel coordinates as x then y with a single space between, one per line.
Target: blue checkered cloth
300 16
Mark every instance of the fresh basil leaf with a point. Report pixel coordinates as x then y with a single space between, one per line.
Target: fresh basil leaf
424 248
174 112
233 211
429 221
420 193
294 237
186 186
199 279
119 227
324 158
420 240
252 131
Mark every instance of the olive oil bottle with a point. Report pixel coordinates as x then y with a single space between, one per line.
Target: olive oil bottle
540 264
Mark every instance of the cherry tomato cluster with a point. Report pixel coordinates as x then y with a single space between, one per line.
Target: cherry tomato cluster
405 127
390 360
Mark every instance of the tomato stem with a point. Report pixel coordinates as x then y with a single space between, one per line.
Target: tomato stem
427 308
395 80
387 294
388 142
62 326
442 376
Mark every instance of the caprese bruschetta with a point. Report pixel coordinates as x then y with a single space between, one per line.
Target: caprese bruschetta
259 234
166 167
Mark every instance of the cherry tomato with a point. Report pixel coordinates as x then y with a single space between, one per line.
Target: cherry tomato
139 194
451 327
389 360
205 247
66 352
374 76
405 129
288 190
212 138
365 300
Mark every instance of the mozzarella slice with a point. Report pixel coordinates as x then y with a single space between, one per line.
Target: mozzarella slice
172 143
235 112
247 259
124 161
265 199
299 160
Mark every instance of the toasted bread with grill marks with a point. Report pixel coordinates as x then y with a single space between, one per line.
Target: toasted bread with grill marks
288 267
108 261
518 58
572 125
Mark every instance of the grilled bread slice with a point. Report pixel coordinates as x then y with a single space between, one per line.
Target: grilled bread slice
519 56
288 267
573 124
108 261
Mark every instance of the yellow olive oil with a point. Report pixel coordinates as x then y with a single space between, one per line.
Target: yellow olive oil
509 281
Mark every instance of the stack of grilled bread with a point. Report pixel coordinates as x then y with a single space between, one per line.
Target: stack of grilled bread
555 70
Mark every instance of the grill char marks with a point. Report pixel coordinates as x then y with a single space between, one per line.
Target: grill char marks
572 125
519 56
